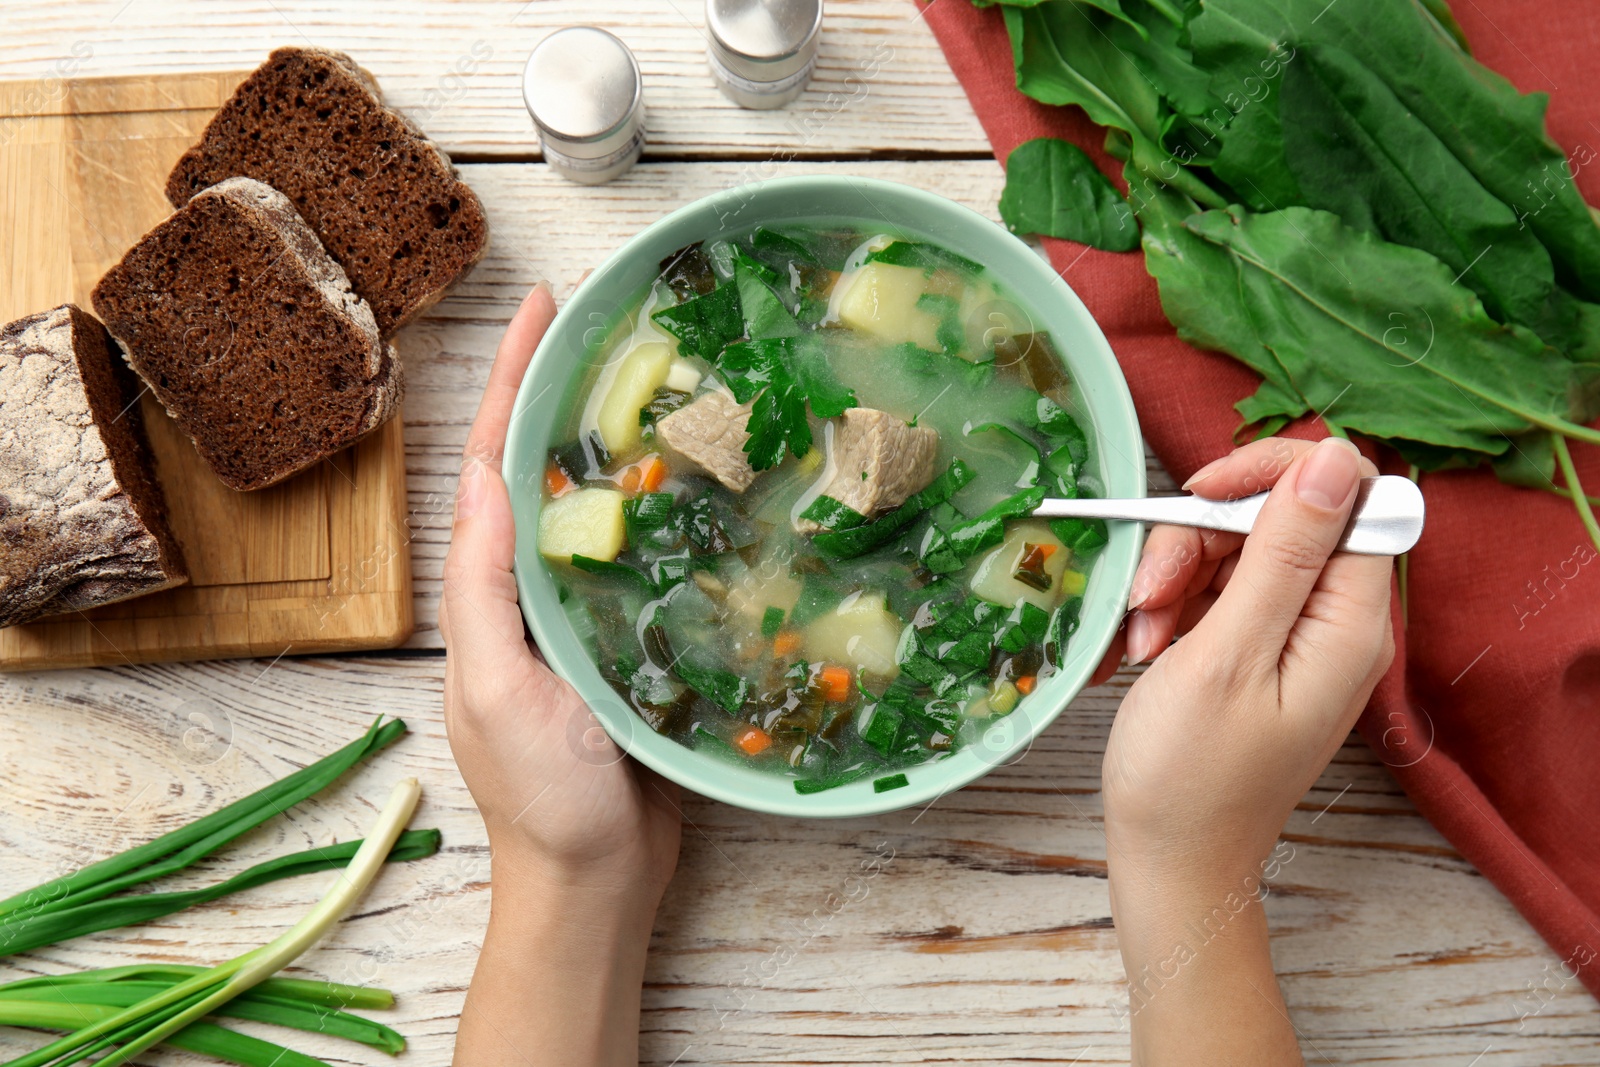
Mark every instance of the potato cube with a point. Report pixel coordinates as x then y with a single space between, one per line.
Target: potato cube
584 522
882 302
861 633
643 371
993 580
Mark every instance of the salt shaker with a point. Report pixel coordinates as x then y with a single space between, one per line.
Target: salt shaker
762 52
583 89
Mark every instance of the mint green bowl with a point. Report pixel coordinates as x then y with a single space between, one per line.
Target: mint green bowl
567 354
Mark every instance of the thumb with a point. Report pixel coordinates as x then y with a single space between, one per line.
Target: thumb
480 613
1290 544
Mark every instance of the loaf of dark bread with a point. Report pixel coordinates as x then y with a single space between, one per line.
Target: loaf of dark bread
82 520
384 200
249 335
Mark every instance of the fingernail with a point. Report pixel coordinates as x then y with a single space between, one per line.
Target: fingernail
1142 585
1140 637
1328 476
1204 472
469 489
538 286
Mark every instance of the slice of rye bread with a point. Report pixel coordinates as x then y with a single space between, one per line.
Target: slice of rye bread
250 336
384 200
82 519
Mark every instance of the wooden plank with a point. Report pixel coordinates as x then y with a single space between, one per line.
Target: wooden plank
78 191
984 939
882 86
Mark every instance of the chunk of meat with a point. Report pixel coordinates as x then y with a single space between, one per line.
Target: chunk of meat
878 461
710 432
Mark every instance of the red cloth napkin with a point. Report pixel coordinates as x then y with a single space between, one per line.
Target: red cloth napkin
1490 718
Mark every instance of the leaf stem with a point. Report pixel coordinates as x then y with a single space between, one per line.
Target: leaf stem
1569 474
1566 494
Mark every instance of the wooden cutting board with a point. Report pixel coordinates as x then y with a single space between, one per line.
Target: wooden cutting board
319 563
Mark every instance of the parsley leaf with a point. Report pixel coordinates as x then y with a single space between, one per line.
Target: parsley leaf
780 374
705 324
765 316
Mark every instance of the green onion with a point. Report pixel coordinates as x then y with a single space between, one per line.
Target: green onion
322 994
176 850
22 932
892 781
206 1039
162 1015
257 1005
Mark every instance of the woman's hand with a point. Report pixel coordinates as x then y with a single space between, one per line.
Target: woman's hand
1225 732
583 840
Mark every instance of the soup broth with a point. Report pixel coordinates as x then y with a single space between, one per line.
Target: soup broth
791 513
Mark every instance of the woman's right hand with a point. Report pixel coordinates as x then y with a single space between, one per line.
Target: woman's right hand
1220 738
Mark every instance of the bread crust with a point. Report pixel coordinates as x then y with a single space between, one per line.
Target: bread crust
82 521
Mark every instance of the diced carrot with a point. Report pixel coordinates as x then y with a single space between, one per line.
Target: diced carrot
653 472
835 684
556 480
1025 684
752 740
786 644
1047 550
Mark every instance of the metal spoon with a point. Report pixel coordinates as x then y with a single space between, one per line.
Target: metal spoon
1386 519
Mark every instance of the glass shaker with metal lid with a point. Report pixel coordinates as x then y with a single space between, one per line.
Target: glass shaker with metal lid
762 52
583 89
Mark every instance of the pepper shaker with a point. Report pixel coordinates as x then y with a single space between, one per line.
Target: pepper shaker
762 52
583 90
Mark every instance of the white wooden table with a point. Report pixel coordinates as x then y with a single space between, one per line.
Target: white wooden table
987 938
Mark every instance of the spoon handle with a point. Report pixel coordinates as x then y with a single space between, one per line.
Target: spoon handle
1385 521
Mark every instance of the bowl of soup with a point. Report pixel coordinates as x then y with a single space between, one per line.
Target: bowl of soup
773 470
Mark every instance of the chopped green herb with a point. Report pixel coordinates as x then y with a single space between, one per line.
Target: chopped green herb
705 325
807 786
1084 537
784 249
831 514
611 569
771 622
923 256
705 740
881 728
845 544
781 374
948 550
723 688
888 782
765 316
819 594
664 403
